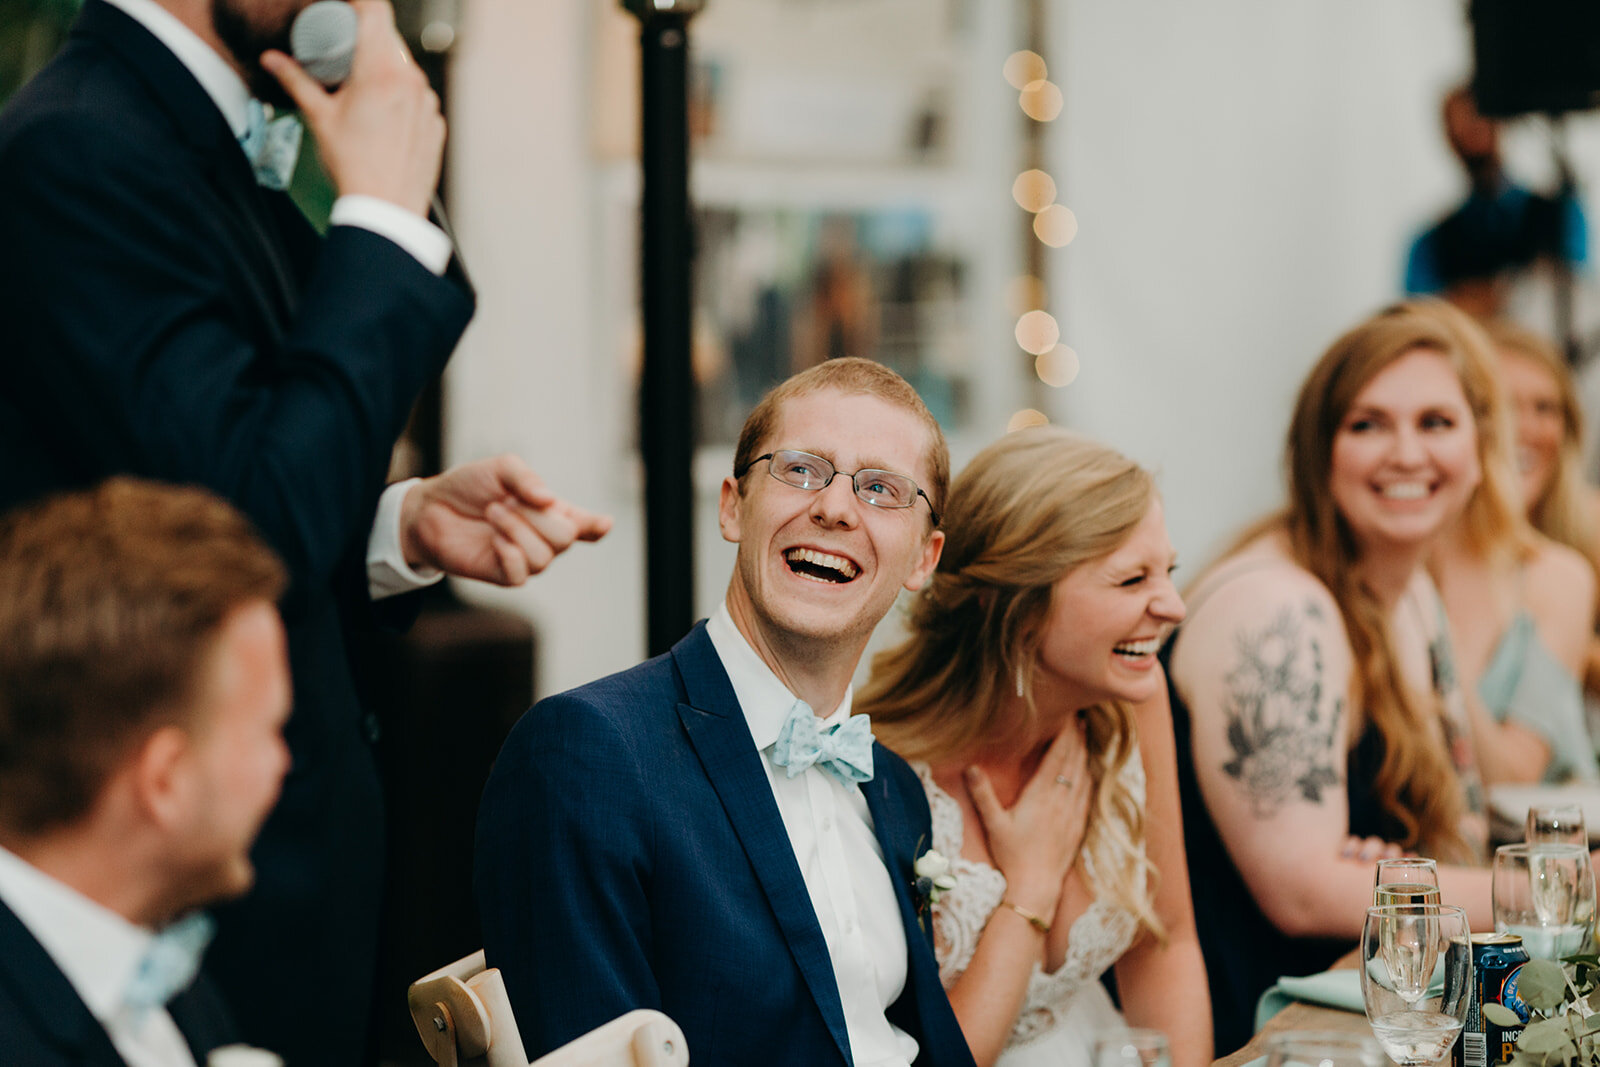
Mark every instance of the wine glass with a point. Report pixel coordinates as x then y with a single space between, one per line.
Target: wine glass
1416 973
1407 880
1323 1048
1556 824
1546 894
1132 1047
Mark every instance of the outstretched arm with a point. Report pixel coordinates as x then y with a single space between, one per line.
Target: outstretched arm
493 520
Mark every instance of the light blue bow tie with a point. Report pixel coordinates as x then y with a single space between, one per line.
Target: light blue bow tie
844 749
272 146
170 963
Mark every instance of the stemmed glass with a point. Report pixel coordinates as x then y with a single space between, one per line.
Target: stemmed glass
1407 880
1416 972
1545 893
1556 824
1132 1047
1323 1048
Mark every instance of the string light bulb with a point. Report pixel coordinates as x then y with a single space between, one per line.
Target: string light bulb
1040 100
1024 67
1055 225
1034 190
1057 367
1037 332
1025 419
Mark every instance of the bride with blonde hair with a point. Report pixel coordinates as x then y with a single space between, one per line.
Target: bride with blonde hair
1029 699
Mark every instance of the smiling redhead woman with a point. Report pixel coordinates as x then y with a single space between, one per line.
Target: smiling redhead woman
1029 699
1318 719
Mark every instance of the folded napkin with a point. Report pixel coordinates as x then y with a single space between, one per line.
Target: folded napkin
1331 989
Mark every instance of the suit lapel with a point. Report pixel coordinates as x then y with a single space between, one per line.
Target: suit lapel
45 996
201 1018
201 130
922 1009
716 728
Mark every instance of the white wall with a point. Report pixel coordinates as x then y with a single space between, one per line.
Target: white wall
1245 174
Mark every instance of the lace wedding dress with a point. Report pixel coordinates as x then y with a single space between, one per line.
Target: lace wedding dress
1065 1010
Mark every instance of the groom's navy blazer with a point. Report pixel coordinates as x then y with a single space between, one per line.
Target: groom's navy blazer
165 316
44 1023
630 854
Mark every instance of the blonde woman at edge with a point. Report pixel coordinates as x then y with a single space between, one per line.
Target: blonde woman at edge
1029 700
1521 609
1560 503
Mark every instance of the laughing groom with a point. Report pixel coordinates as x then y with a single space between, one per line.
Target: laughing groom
710 834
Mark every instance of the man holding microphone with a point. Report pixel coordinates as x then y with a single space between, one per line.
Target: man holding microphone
170 314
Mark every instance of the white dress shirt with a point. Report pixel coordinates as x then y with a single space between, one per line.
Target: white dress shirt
388 574
839 856
98 951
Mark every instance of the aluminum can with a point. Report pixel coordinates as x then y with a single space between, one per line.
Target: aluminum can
1497 961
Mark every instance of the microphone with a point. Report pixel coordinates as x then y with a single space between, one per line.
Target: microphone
323 41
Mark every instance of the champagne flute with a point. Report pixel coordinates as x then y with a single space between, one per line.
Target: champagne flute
1556 824
1132 1047
1545 893
1416 973
1323 1048
1407 880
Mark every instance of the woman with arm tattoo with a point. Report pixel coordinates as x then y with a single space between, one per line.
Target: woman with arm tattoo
1313 691
1029 699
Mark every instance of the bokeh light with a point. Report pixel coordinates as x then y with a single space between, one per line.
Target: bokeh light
1025 67
1055 225
1037 332
1057 367
1034 190
1040 100
1025 418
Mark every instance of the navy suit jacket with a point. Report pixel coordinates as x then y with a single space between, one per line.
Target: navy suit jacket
44 1023
630 854
165 316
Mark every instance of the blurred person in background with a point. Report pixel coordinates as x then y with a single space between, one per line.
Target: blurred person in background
144 686
1312 686
1521 605
1029 701
1473 255
1560 502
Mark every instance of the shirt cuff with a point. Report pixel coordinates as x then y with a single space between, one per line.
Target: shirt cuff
388 573
426 243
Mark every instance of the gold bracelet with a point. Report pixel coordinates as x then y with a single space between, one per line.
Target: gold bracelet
1035 920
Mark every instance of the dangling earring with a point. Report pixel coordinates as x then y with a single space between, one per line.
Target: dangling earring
1019 679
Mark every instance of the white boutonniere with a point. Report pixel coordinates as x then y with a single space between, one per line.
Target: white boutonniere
933 878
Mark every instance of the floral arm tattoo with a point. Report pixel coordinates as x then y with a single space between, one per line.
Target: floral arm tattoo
1282 743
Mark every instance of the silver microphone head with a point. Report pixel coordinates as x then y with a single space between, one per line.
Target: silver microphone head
323 40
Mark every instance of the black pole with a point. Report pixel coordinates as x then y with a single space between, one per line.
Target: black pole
666 393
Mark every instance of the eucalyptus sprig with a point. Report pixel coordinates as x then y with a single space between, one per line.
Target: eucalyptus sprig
1564 1002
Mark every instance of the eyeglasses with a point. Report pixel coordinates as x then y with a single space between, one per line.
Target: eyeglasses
881 489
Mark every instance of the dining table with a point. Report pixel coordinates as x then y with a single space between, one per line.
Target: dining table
1302 1016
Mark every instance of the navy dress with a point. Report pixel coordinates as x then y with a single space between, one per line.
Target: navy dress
1244 952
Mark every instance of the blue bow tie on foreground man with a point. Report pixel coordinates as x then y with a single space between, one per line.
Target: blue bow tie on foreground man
171 962
844 749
